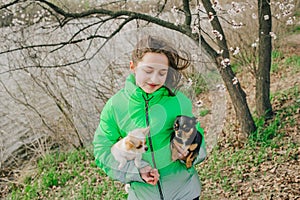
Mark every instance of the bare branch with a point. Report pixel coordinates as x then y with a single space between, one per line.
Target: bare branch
45 66
26 103
53 44
9 4
187 12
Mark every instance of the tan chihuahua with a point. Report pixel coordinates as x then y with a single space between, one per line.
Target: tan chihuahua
131 147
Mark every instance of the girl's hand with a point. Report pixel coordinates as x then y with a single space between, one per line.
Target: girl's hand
182 153
149 175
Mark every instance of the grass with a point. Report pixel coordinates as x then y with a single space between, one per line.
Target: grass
69 175
203 112
279 59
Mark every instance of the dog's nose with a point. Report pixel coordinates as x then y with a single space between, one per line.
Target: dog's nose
146 148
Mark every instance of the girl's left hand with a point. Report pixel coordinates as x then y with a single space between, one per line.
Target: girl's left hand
149 175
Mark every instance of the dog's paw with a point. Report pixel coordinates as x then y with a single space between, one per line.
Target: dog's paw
189 163
193 147
127 187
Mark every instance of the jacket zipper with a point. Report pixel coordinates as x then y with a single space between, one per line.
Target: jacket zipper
151 146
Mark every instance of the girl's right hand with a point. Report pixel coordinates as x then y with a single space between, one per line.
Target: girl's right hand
149 175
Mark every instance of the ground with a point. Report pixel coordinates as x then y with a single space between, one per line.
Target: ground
274 173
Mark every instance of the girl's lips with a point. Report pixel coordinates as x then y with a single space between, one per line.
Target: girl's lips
152 85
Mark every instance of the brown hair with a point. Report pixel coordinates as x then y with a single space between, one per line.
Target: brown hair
176 61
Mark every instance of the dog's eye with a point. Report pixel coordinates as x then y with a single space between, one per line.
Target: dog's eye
176 126
140 146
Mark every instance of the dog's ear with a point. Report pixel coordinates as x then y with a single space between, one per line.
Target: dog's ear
146 130
194 120
129 144
176 124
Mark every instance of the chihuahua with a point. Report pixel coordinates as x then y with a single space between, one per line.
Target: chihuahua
131 147
185 139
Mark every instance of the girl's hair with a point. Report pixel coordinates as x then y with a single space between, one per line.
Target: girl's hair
176 61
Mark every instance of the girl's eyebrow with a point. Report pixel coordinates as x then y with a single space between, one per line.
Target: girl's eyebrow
150 67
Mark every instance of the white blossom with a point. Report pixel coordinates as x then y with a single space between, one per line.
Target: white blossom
273 35
199 103
195 29
174 9
254 45
290 20
236 51
225 62
216 5
217 34
220 51
210 16
189 82
236 25
235 81
266 17
220 87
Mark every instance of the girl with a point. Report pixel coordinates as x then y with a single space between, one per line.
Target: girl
149 98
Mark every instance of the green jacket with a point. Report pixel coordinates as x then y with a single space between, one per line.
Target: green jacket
132 108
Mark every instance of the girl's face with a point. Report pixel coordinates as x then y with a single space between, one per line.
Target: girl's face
151 71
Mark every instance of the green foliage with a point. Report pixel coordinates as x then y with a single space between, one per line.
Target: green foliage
70 175
293 60
204 112
50 178
265 132
198 83
235 67
277 55
296 29
280 62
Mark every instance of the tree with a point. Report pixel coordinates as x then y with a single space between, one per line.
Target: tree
236 93
263 104
121 13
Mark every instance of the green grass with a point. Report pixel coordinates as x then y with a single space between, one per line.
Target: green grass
204 112
70 175
294 61
279 60
199 84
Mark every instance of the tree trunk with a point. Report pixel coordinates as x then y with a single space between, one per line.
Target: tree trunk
263 104
237 95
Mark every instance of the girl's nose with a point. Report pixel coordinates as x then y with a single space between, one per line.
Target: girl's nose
155 78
